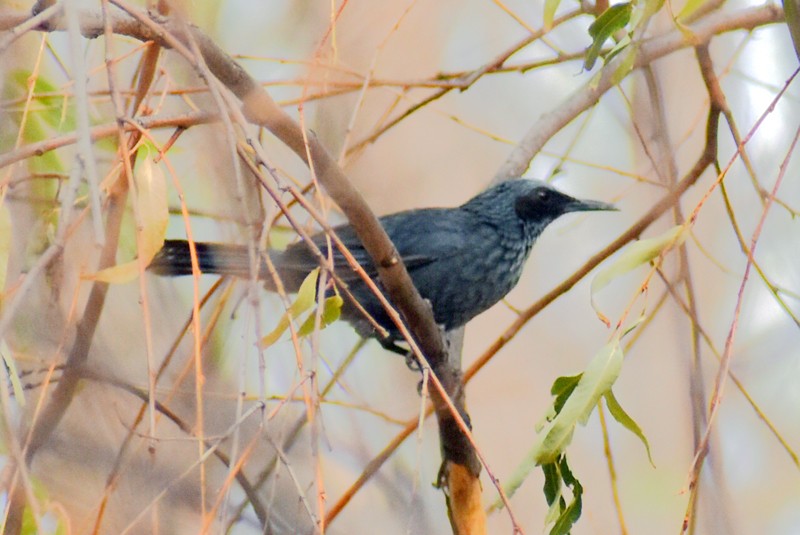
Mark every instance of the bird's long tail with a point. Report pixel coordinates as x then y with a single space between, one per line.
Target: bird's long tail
217 258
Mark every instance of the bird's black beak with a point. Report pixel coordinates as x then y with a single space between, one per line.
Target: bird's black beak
579 205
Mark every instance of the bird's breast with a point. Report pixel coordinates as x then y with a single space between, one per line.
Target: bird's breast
477 282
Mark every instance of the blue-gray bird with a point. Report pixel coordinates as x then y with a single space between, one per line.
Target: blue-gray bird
463 260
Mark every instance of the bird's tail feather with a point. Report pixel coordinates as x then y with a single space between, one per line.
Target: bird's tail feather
174 259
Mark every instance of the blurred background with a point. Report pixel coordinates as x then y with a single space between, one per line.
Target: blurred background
346 70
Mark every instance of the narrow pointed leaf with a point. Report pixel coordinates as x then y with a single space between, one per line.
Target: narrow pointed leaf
613 19
552 483
639 253
562 389
519 476
570 515
628 61
151 201
13 374
331 311
5 245
550 7
119 274
791 12
306 297
151 204
600 375
627 422
689 9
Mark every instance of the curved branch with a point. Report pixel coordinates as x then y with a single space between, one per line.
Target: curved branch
584 98
260 109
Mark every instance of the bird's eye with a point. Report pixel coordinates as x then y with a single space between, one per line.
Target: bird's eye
542 194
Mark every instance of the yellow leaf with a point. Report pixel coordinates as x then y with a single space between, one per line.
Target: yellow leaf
13 375
306 297
5 243
641 252
689 8
550 7
627 422
119 274
151 202
331 311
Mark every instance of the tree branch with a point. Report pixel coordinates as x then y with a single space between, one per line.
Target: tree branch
650 50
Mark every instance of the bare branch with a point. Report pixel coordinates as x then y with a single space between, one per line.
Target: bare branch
652 49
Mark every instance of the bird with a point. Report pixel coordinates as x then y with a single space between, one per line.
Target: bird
463 260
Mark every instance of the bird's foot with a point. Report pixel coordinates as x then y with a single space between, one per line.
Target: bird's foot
390 344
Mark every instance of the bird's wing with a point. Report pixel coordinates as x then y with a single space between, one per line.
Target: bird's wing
421 237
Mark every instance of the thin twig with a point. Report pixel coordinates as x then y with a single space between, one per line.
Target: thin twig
727 354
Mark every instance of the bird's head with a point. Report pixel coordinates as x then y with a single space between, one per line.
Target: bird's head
543 203
533 202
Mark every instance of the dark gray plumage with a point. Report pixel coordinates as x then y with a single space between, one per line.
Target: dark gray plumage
463 260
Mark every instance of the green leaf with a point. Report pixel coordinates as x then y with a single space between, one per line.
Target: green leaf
565 471
46 116
306 297
552 483
561 514
48 521
621 45
600 375
613 19
53 109
643 12
557 507
689 9
575 398
331 310
565 383
571 513
628 61
627 422
591 55
515 481
550 7
13 374
562 389
641 252
791 12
